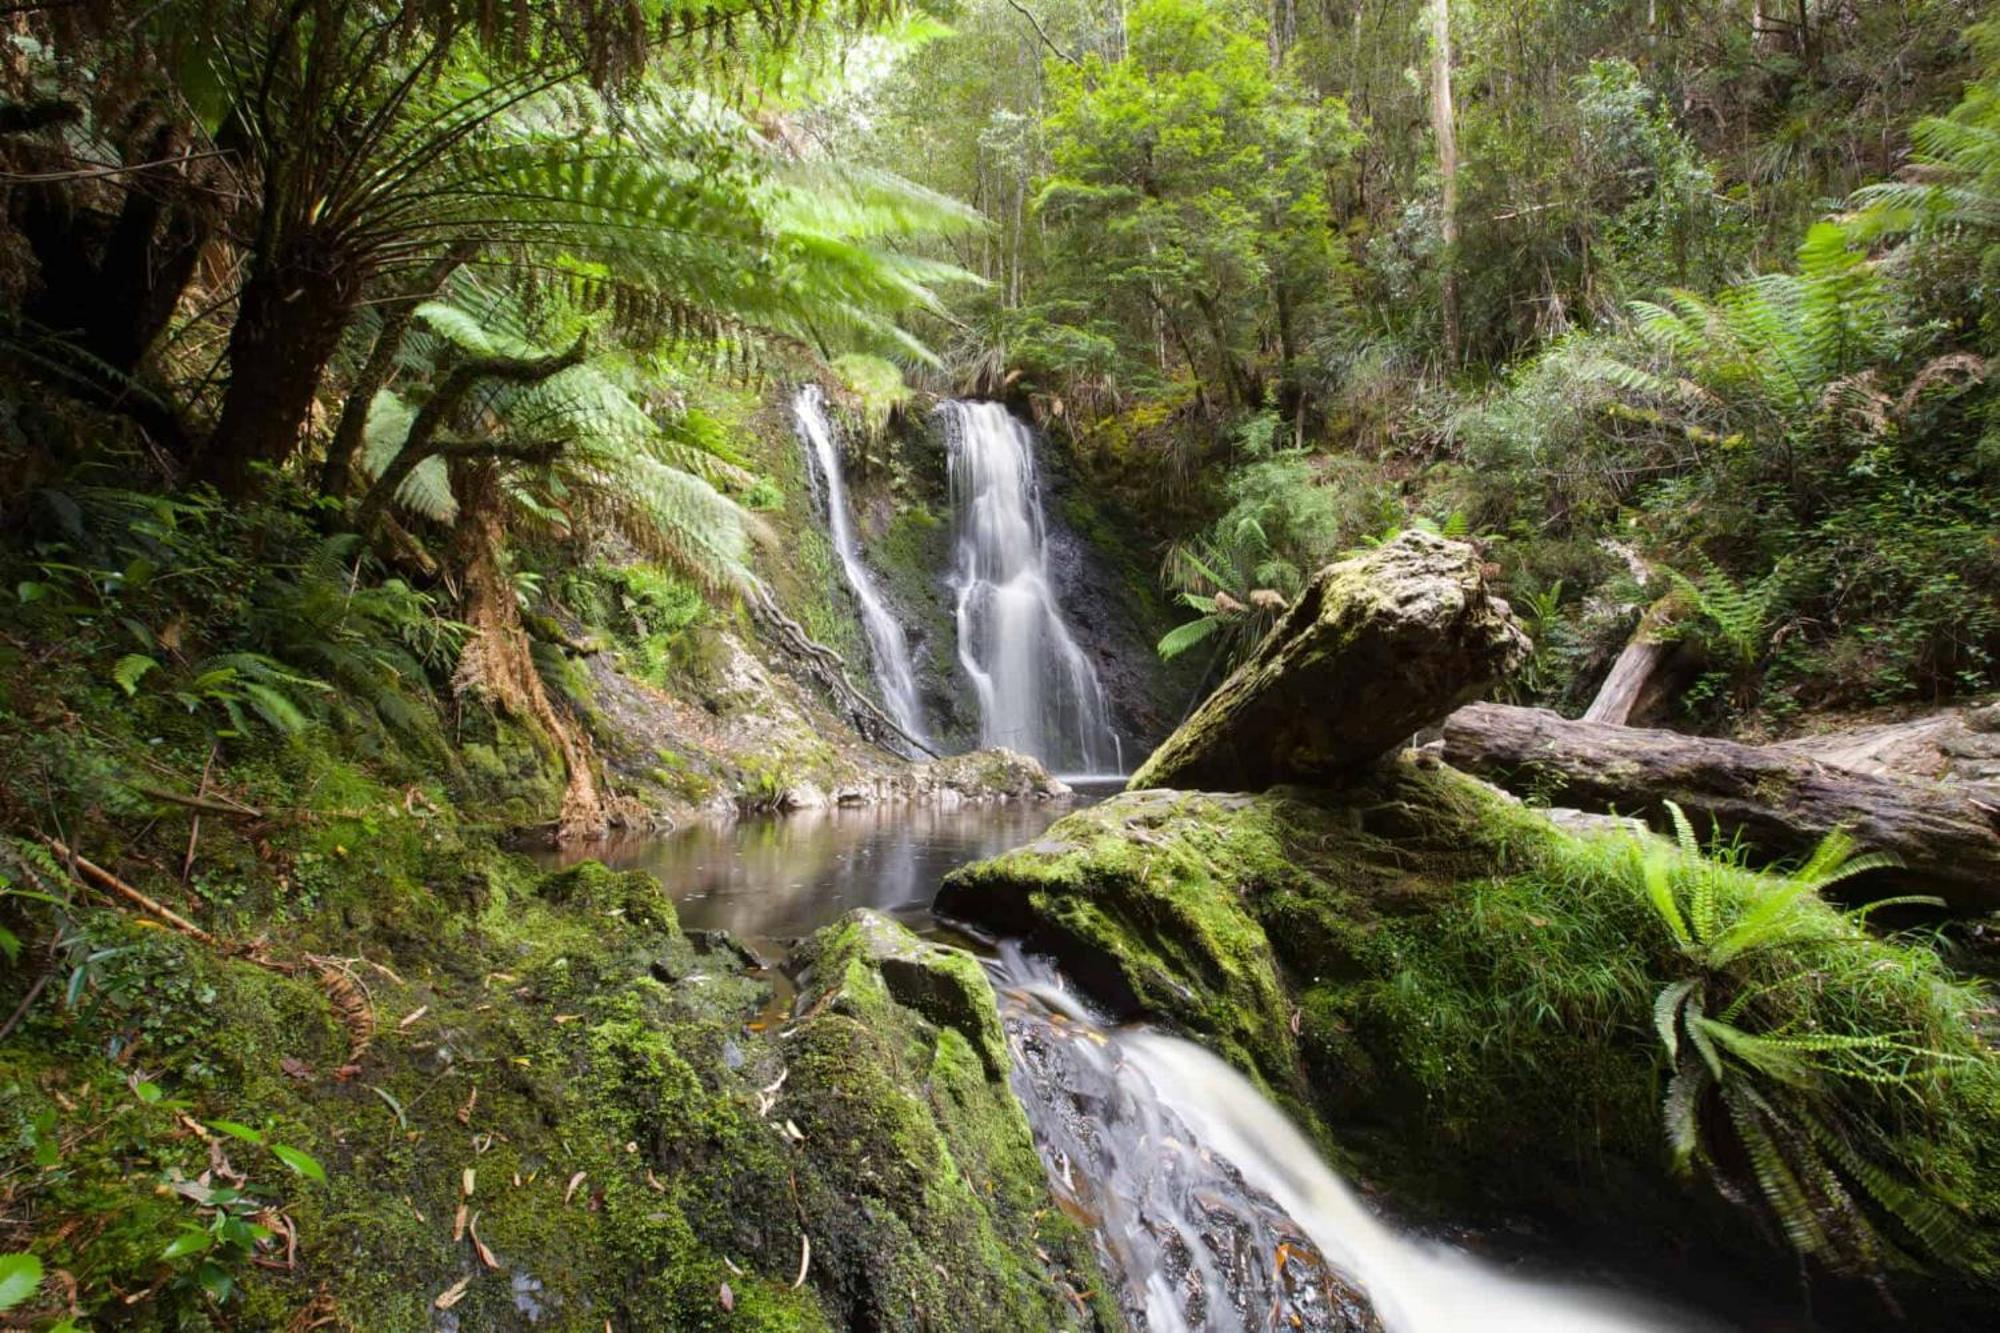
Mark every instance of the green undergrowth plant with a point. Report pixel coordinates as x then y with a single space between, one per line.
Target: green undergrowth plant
1784 1091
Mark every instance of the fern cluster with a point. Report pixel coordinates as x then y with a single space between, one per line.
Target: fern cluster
1769 1099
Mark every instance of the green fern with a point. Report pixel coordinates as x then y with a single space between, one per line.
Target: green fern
1736 616
1755 1094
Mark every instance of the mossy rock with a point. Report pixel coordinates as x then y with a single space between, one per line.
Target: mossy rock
900 1076
1452 993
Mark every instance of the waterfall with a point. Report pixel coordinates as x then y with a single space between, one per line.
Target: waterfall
888 647
1038 693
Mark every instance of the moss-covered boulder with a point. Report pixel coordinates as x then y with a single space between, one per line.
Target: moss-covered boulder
1375 648
1461 997
898 1083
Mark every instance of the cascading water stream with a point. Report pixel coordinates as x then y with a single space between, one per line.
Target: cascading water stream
888 647
1213 1212
1038 692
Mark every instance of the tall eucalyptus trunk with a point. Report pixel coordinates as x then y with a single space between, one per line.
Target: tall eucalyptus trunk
1444 125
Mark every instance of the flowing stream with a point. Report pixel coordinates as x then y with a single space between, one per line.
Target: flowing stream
889 647
1211 1211
1038 692
1215 1212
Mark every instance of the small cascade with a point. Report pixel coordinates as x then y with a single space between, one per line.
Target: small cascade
888 646
1038 693
1213 1212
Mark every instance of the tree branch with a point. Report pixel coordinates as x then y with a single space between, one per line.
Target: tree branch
422 441
1036 24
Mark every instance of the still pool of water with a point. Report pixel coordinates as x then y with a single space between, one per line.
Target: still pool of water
771 881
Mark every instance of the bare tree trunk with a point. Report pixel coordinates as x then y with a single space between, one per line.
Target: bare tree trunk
1444 125
1629 677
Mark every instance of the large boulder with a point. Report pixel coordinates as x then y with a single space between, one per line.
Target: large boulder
1376 648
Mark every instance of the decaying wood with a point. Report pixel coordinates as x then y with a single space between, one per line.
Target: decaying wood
1625 691
1778 801
104 879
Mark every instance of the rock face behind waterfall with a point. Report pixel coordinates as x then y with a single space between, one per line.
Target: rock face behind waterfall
1376 648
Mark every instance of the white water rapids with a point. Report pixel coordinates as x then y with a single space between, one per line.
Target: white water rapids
889 647
1215 1213
1038 692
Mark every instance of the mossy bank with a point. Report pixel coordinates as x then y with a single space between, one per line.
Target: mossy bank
536 1103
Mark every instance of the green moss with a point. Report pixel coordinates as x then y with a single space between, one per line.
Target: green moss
902 1096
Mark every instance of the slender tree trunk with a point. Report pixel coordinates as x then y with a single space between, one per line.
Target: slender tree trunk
337 473
497 663
1444 125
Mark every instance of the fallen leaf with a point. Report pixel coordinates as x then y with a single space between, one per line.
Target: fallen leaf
453 1294
485 1253
566 1018
727 1297
574 1181
805 1259
467 1180
465 1111
458 1226
413 1016
653 1184
297 1069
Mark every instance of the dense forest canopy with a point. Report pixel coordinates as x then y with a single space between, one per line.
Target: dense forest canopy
1683 295
401 409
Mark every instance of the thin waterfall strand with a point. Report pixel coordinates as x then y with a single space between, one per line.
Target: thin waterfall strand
888 647
1038 692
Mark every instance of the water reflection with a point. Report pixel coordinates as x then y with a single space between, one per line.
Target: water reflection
770 881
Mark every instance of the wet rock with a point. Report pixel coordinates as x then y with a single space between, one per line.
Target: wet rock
725 942
986 775
1376 648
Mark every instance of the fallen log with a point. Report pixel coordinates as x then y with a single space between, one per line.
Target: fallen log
1779 802
1377 647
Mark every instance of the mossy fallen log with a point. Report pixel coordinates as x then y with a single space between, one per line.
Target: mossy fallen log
1779 801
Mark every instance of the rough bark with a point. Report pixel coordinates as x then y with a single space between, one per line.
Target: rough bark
290 318
497 662
1780 802
1376 648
